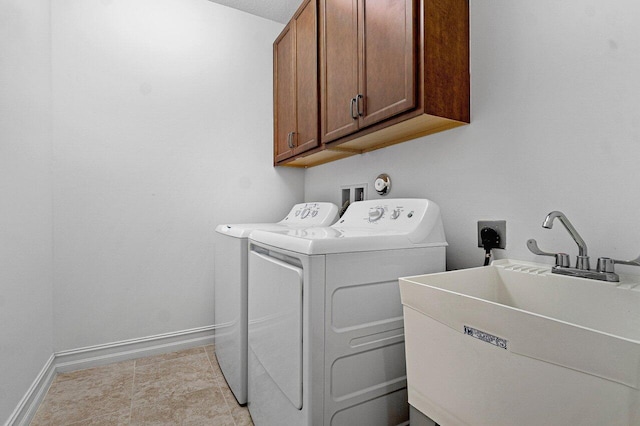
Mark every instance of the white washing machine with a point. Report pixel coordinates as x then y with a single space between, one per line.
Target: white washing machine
230 303
326 336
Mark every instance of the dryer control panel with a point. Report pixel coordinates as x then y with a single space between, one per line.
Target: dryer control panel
392 214
418 219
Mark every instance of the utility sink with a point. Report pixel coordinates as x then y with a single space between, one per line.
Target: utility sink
513 344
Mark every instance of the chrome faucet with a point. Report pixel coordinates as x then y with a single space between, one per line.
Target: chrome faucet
604 271
582 261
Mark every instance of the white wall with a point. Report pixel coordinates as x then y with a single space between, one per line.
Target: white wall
555 126
162 129
25 197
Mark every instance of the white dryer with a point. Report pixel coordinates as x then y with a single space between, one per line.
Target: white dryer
230 287
326 337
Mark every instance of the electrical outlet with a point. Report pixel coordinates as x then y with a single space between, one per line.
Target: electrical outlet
500 226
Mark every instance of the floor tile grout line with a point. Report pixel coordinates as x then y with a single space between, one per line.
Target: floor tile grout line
225 400
133 388
82 421
217 379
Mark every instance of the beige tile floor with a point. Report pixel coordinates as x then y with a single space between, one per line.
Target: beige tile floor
180 388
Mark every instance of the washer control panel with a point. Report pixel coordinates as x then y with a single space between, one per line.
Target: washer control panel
312 214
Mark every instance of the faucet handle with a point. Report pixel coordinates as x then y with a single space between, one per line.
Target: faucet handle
562 259
532 245
634 262
606 264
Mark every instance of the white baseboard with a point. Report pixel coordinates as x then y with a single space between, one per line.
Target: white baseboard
29 403
94 356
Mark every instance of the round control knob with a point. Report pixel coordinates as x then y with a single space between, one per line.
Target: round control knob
314 213
305 213
395 214
375 214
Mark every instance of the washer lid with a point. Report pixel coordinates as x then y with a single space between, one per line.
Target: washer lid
301 216
366 226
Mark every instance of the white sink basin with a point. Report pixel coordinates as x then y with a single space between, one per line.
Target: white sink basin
548 349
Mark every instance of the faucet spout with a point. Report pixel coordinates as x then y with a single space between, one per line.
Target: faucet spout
548 223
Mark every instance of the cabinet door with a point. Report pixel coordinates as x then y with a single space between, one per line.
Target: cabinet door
387 49
306 60
295 56
338 67
284 104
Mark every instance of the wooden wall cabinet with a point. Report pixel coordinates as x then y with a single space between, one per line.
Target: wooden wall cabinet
295 66
390 71
368 63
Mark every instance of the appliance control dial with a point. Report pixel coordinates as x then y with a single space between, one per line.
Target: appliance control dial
376 214
395 214
305 213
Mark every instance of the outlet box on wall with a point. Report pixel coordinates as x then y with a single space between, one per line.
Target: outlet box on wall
500 226
352 193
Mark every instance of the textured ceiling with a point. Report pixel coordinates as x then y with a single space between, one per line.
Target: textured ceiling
276 10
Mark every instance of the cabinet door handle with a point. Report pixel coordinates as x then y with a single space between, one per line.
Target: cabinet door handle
360 102
290 140
352 110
